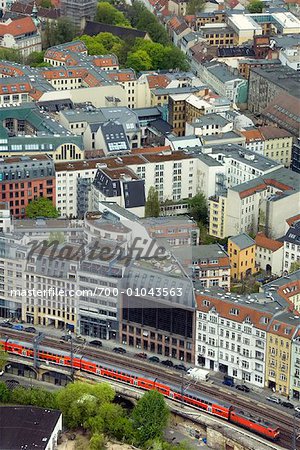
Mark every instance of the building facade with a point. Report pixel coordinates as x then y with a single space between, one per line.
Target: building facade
241 250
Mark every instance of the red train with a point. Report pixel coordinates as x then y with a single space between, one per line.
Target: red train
190 397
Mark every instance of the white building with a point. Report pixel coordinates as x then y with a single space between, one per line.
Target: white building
231 336
291 246
5 218
73 186
269 254
20 34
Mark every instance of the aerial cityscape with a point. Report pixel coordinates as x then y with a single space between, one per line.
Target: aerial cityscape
149 224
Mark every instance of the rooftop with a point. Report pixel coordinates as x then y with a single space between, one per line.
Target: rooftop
284 77
261 240
242 240
26 427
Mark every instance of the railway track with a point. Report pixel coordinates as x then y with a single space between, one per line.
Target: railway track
281 419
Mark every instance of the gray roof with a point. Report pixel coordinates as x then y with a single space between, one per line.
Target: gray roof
242 240
153 221
221 71
286 41
217 139
293 234
282 175
177 90
245 156
115 137
286 78
210 119
205 253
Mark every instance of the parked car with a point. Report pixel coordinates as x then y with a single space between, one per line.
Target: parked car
273 399
141 355
6 324
297 409
228 381
30 330
154 359
287 405
66 338
242 387
18 327
96 343
180 367
119 350
167 363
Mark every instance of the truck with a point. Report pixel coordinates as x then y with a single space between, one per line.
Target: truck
198 374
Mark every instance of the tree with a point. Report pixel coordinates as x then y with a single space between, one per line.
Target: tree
107 13
93 47
58 32
139 61
142 19
198 207
46 4
4 393
3 358
35 58
80 402
174 58
10 54
195 6
150 417
97 442
255 6
294 266
152 207
41 207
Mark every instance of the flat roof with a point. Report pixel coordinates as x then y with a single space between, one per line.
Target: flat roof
26 427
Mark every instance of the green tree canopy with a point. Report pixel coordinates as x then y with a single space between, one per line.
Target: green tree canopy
194 6
3 358
144 20
41 207
10 54
139 61
198 207
33 396
4 393
294 266
107 13
97 442
255 6
152 207
80 402
58 32
46 4
35 58
150 417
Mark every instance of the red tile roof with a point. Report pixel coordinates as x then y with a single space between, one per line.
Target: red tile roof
293 219
270 132
158 81
261 240
17 27
252 135
151 149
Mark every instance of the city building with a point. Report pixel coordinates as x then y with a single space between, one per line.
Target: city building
268 254
176 231
261 204
295 367
281 331
5 218
291 247
24 179
278 144
241 251
209 265
296 157
266 84
231 335
73 186
78 11
219 78
19 428
25 130
20 34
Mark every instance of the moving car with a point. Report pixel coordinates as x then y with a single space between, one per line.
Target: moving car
287 405
141 355
66 338
154 359
18 327
273 399
30 330
96 343
6 325
119 350
180 367
242 387
167 363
